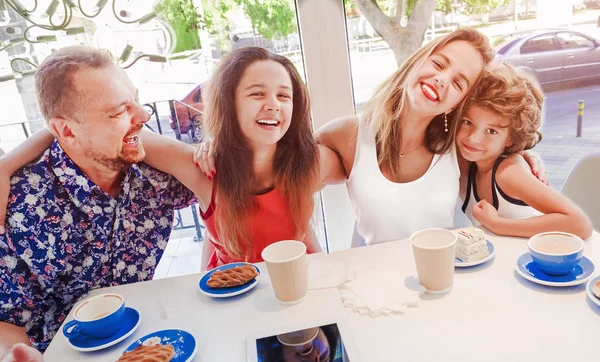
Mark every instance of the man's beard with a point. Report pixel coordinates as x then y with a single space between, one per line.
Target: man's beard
121 162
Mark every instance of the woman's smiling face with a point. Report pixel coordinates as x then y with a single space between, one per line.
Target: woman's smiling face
264 102
444 78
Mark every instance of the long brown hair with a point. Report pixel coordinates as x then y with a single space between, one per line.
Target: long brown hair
384 110
296 159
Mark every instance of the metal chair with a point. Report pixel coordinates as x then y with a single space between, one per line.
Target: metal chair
583 187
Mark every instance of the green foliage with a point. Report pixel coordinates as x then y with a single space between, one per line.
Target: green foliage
215 21
183 17
276 18
215 15
271 18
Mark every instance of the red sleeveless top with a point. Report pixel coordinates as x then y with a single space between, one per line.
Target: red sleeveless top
270 222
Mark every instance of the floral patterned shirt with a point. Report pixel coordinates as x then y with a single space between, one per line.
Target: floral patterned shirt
65 236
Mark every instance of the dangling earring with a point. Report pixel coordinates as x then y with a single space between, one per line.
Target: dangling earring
446 122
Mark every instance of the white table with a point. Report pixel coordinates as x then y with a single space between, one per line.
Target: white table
491 314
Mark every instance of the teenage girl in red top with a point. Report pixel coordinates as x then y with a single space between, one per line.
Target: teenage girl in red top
257 114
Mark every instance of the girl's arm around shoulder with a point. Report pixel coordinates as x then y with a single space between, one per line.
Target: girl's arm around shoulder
311 241
177 158
514 177
331 170
26 152
339 135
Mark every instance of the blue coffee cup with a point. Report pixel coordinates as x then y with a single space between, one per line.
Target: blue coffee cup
97 317
556 253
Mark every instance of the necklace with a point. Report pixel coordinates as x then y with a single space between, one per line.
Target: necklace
409 152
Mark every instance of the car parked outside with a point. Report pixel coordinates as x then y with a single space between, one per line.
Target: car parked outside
592 4
189 113
555 55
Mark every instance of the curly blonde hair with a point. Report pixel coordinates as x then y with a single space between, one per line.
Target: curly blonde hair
517 98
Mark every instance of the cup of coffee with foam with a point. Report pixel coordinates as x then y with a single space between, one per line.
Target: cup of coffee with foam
97 317
555 252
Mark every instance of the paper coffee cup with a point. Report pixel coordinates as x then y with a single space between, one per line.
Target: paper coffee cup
434 251
286 263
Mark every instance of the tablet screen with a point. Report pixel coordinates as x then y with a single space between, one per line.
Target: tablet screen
323 343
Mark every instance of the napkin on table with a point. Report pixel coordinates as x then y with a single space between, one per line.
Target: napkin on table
380 292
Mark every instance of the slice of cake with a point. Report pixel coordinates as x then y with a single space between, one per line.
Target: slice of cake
471 245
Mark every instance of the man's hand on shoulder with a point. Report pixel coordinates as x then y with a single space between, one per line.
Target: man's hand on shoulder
21 352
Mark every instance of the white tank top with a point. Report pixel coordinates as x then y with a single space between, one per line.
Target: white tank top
387 210
508 207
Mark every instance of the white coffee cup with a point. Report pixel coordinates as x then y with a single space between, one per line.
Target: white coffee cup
286 263
434 251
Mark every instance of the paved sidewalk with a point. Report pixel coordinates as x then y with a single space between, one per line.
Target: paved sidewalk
561 153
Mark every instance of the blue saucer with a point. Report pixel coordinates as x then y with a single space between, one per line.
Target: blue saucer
130 322
183 343
580 274
490 247
226 292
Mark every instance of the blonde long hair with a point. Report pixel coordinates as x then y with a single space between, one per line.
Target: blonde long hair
384 110
295 163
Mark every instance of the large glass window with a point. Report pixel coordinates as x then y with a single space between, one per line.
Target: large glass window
557 42
169 58
382 33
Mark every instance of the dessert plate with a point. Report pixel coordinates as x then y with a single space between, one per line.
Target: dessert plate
580 274
130 323
490 247
226 292
183 343
590 292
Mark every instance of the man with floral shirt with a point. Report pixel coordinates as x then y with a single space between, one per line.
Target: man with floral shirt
87 214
